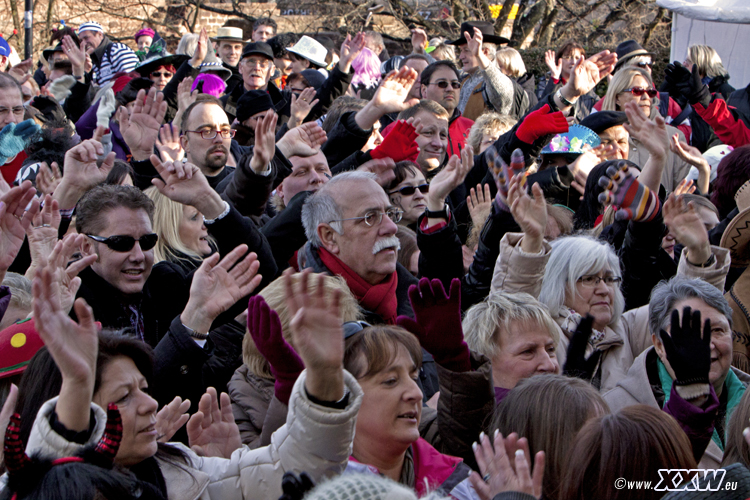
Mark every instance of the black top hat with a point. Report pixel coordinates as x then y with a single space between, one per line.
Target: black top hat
487 29
628 50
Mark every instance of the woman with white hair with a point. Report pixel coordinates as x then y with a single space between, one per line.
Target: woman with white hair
576 276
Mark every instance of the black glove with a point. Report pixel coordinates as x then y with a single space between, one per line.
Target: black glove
688 83
576 364
295 487
688 353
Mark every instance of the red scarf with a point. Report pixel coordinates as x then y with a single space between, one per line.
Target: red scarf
379 299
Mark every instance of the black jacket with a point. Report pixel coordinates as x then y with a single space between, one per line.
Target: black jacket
582 106
740 99
344 139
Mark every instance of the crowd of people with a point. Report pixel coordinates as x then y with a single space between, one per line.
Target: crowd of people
278 268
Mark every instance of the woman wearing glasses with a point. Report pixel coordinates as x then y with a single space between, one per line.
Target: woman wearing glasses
408 192
632 84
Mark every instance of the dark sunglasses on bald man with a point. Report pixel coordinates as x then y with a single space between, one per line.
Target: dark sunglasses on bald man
126 243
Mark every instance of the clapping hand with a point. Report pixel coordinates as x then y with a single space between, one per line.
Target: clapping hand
506 468
554 67
168 143
687 350
449 178
211 430
14 221
265 143
350 49
301 106
140 128
652 134
171 418
530 213
479 203
685 224
304 140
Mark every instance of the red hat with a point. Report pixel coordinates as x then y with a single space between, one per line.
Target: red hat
18 344
120 83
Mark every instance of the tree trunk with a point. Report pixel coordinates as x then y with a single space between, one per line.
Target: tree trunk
611 18
502 18
527 22
48 23
652 26
544 37
14 16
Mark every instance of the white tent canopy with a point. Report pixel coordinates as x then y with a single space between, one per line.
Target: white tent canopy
721 24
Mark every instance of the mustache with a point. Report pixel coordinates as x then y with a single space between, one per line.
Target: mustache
218 147
390 242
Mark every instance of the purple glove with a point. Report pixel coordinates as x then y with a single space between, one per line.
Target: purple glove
265 328
438 323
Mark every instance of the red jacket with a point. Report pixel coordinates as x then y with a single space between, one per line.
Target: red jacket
727 127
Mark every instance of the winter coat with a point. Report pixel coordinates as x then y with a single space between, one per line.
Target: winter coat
636 388
315 439
621 342
251 396
728 123
740 100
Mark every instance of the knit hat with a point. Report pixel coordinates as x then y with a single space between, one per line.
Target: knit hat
18 344
602 120
212 84
251 103
144 32
360 487
314 77
90 26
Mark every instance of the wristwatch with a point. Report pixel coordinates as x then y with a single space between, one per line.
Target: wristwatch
445 213
563 99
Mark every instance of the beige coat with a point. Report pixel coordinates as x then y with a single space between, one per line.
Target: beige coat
517 271
674 171
635 389
315 439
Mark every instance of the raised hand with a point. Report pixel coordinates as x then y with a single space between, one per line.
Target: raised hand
394 90
301 106
317 334
21 70
475 46
685 186
265 143
540 123
685 224
14 138
141 127
437 323
168 143
264 326
76 55
42 234
186 96
418 40
479 203
350 49
449 178
82 172
14 221
587 73
201 49
576 363
304 140
633 199
530 214
688 352
382 167
211 430
180 181
47 179
400 144
652 134
218 285
554 67
505 472
73 346
171 418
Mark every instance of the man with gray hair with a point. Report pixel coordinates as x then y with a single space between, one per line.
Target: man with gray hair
688 370
351 227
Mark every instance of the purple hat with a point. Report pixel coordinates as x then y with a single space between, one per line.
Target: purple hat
144 32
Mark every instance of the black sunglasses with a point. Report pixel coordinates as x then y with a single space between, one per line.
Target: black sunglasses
352 327
410 190
126 243
157 74
444 84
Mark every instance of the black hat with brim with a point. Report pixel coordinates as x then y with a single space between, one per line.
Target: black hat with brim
47 53
153 63
488 33
602 120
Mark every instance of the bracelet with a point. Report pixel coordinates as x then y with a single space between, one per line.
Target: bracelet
194 334
563 99
220 216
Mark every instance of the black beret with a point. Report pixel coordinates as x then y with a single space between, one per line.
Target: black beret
601 121
251 103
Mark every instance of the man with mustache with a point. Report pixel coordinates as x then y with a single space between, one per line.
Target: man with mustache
351 227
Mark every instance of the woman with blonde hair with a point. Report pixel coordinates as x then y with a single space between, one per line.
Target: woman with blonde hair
632 84
511 64
710 68
441 51
259 398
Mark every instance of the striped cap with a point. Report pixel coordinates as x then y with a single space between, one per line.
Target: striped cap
90 26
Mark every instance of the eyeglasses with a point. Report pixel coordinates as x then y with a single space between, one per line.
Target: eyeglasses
644 64
352 327
592 280
158 74
375 217
126 243
443 84
261 63
410 190
211 133
639 91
